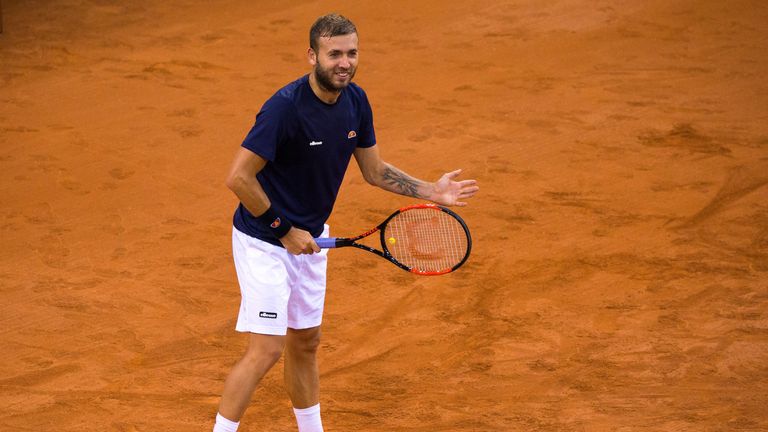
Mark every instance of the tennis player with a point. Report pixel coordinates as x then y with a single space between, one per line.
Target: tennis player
286 175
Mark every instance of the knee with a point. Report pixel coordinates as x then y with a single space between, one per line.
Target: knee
304 341
263 355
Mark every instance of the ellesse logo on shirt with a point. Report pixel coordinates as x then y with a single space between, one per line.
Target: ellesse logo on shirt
351 134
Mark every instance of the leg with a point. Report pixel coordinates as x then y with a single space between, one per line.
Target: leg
302 379
263 352
305 310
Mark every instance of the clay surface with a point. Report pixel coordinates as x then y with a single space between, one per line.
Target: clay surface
619 278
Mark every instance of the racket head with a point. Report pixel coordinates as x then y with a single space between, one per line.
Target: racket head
426 239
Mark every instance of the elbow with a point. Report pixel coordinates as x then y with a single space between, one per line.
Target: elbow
230 182
375 176
235 181
370 179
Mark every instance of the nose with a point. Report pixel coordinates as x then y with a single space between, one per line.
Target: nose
344 62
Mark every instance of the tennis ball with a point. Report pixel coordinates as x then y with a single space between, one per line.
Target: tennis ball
391 240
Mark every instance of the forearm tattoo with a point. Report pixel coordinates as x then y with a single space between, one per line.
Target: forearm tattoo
401 183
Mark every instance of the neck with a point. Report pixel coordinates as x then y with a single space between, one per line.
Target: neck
325 95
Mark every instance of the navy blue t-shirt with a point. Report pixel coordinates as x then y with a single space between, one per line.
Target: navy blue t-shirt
307 144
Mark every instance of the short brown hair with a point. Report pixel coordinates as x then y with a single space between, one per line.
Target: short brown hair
329 26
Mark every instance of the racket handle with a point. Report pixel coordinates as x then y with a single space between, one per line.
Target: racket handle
326 242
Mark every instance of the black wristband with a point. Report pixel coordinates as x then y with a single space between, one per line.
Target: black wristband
278 225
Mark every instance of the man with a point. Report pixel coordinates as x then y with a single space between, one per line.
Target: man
287 174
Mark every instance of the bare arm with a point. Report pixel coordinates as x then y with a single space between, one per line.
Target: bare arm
445 191
242 181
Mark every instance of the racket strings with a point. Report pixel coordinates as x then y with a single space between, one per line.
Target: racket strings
426 239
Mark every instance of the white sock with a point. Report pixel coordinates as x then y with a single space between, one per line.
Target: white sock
224 425
308 419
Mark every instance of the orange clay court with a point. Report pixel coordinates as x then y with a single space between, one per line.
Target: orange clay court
619 275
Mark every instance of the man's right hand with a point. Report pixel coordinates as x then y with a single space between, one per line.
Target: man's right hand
298 242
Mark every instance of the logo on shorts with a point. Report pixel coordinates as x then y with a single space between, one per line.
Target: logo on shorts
270 315
275 224
351 134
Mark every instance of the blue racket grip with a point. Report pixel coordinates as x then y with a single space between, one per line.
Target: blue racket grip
326 242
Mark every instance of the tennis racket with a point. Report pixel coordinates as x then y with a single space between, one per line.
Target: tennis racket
425 239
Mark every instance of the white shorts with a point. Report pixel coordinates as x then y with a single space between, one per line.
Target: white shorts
279 290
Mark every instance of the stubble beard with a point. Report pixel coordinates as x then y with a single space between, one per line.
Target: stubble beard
324 78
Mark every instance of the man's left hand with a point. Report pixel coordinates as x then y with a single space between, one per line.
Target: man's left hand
449 192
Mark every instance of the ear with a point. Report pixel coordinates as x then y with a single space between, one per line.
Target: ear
311 56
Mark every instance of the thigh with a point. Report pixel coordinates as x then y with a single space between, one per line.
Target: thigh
264 285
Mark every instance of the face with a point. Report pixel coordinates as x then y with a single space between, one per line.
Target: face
335 61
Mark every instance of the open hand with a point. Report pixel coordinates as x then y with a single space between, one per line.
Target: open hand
449 192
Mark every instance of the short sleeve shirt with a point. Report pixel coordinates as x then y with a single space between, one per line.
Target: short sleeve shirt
308 145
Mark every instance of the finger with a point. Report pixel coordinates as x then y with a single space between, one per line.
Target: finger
467 183
315 247
453 174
